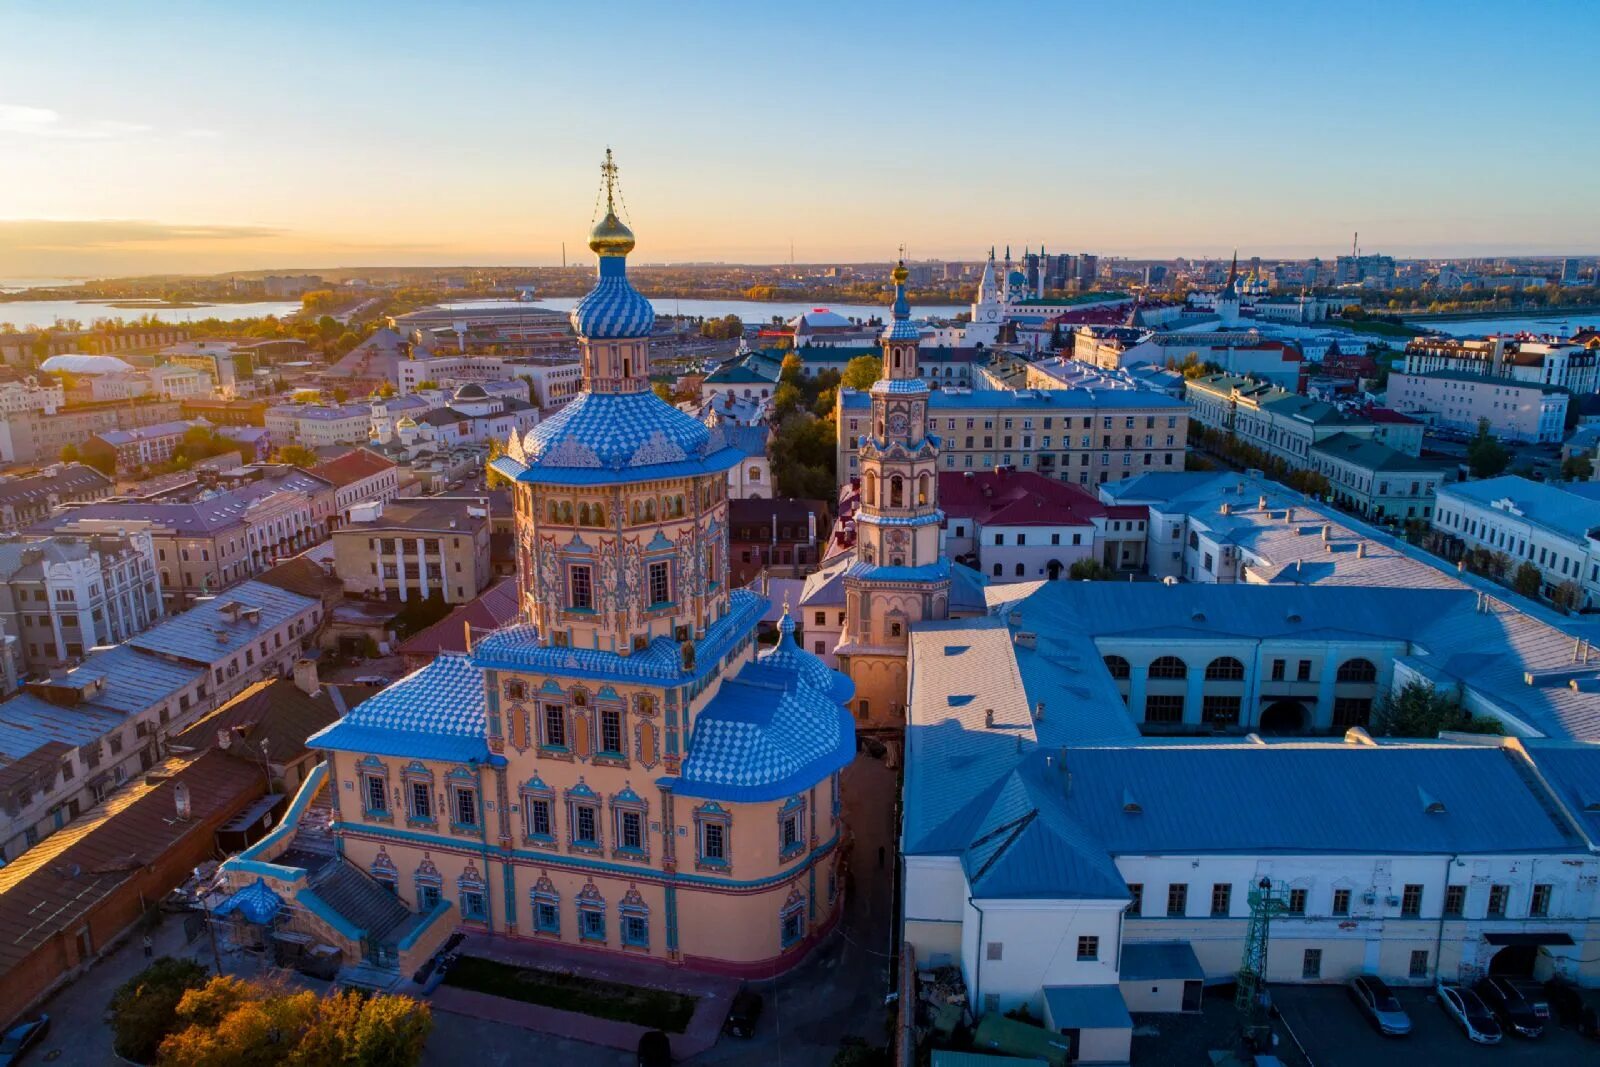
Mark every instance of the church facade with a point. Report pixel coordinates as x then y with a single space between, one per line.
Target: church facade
620 769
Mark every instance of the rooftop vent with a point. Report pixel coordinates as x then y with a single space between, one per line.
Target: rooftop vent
1130 805
1027 639
1038 712
1198 616
1430 803
1293 616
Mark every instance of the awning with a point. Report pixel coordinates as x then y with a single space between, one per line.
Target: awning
1548 937
255 903
1086 1007
1152 961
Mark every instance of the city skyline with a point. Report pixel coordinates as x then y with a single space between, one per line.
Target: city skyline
209 138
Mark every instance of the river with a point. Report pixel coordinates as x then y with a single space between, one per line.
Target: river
750 311
1552 322
26 314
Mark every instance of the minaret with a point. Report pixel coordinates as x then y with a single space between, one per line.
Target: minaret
1044 268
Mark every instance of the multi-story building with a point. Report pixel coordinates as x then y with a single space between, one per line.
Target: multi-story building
174 381
62 596
1088 436
34 437
548 786
226 412
143 446
31 499
319 426
1242 353
30 394
357 476
1376 481
1461 400
1280 423
1546 362
415 548
1014 526
218 538
775 532
1556 528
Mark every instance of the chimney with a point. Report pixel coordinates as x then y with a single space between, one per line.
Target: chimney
1327 531
988 717
305 676
1227 508
1361 550
1038 712
1261 502
1288 516
180 797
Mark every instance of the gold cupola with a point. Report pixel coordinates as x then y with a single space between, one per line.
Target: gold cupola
610 236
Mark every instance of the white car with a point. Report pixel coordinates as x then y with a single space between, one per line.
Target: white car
1470 1013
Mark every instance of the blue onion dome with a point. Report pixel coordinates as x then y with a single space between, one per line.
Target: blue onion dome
1017 278
613 308
808 670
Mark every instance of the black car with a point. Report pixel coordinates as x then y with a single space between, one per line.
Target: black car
743 1014
655 1050
20 1038
1510 1006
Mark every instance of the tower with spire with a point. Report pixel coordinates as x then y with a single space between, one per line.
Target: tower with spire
899 576
1228 300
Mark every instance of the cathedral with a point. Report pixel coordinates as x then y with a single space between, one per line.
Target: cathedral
621 769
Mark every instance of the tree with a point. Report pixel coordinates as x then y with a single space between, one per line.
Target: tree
1577 468
295 456
727 328
1486 456
69 453
234 1023
426 383
1528 581
493 479
804 457
663 390
793 371
1419 710
861 372
340 394
1090 570
386 389
144 1009
785 400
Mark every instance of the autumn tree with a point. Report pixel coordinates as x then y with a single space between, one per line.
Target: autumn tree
144 1009
1528 581
793 371
295 456
861 372
1486 456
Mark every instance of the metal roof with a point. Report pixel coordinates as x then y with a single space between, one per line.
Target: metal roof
1151 961
1572 515
212 630
433 713
1087 1007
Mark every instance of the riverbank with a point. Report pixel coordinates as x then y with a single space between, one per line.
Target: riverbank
1508 313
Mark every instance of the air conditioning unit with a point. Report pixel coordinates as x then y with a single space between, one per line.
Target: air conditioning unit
1393 902
1369 897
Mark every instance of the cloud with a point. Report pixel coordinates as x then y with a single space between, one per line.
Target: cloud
26 121
55 235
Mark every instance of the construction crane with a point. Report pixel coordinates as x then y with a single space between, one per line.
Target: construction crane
1250 998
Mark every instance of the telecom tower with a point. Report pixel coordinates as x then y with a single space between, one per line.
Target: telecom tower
1250 998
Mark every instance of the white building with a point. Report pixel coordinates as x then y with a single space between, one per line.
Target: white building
318 426
1515 410
1548 362
31 394
1554 527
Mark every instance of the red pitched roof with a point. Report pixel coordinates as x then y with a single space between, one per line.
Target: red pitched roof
1016 498
489 610
352 467
1388 415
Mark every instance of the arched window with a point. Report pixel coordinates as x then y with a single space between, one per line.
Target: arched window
922 489
1118 667
869 489
997 570
1169 667
1224 669
1019 570
897 491
1357 670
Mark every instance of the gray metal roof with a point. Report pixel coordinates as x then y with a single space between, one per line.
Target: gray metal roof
206 633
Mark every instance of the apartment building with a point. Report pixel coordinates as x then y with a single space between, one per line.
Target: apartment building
27 500
31 394
356 476
319 426
143 446
1566 364
1280 423
216 538
1086 436
1554 527
64 595
1461 400
1378 482
35 437
415 548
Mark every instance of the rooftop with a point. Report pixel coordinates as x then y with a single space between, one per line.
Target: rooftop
436 712
354 466
1553 507
214 629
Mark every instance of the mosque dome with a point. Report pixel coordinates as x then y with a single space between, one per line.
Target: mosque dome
1016 277
471 391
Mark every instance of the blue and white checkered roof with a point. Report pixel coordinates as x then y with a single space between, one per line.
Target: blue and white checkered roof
766 735
787 655
613 308
434 713
899 385
607 438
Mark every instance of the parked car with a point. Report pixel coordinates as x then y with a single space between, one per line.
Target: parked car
1377 1002
377 681
1510 1006
655 1049
1470 1013
743 1014
20 1038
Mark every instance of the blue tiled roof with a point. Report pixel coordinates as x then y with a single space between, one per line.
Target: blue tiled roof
607 438
786 655
205 633
1087 1007
899 385
256 903
434 713
937 571
766 735
613 308
517 648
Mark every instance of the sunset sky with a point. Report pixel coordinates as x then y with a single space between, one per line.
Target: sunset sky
215 136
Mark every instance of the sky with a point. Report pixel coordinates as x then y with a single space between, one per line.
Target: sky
157 137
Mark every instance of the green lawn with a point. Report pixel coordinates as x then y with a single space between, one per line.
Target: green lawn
654 1008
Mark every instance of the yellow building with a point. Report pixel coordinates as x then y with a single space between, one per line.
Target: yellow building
620 769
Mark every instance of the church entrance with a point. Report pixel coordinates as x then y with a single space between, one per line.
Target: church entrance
1284 717
1053 569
